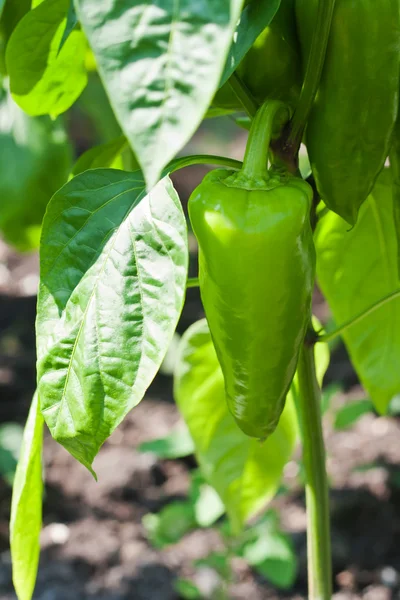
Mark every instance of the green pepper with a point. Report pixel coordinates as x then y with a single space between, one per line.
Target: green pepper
350 127
271 69
256 271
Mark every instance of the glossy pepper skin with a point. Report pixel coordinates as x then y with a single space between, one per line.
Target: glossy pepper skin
256 270
350 127
272 67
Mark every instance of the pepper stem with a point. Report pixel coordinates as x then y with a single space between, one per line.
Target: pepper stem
317 499
313 73
255 163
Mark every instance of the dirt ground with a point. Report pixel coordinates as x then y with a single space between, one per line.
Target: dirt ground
94 543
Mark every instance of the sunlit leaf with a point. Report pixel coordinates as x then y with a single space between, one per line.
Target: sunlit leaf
113 270
161 64
244 471
26 506
43 78
357 267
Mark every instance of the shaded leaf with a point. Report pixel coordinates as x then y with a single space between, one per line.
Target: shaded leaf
44 80
72 21
219 562
245 472
349 414
113 270
11 435
187 589
255 17
35 159
356 268
177 444
170 524
270 551
12 12
161 64
328 394
280 568
26 506
103 155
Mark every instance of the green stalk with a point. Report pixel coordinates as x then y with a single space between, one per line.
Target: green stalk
313 73
255 163
244 95
317 498
201 159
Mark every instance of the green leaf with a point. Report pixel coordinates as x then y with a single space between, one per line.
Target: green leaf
176 445
245 472
113 270
281 568
253 20
11 435
26 506
104 155
11 13
72 21
208 506
35 159
161 65
44 80
187 589
350 413
2 3
219 562
328 394
170 524
271 552
214 112
356 268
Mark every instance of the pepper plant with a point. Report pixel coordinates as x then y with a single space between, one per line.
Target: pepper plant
114 251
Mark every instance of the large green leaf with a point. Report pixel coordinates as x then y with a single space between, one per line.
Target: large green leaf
113 270
355 268
254 19
35 160
244 471
161 64
26 506
11 13
2 3
43 78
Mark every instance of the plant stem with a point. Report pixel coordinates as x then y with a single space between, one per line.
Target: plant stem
313 73
201 159
327 337
255 163
317 498
243 95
